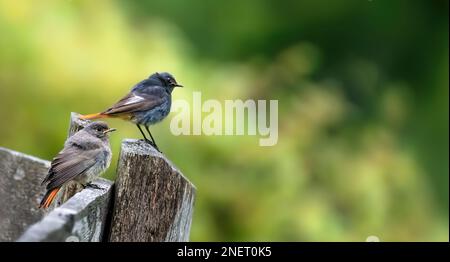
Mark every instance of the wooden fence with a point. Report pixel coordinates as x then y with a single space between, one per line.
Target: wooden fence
150 200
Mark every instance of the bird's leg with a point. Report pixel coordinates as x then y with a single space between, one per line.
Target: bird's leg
148 130
142 132
153 140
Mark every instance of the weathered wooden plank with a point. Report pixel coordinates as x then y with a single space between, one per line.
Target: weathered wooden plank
20 192
76 124
72 188
81 219
153 200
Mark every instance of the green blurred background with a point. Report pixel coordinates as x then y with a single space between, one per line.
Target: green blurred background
363 105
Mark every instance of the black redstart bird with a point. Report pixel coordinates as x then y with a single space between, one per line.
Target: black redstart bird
148 103
85 156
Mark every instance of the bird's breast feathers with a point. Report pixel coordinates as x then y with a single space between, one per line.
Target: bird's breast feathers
102 163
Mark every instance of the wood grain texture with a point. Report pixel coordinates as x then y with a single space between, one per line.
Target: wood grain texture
20 192
153 200
81 219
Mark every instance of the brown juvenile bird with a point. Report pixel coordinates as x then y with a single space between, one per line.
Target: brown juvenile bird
85 156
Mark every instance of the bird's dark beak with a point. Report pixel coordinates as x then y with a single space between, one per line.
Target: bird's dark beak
109 130
178 85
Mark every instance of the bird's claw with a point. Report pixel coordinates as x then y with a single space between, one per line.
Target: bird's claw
93 186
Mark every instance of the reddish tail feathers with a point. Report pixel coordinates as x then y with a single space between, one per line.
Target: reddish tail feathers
49 197
93 116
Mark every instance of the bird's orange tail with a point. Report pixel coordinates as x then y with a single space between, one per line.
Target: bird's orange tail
93 116
49 197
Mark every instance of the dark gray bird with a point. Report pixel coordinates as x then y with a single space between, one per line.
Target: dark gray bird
148 103
85 156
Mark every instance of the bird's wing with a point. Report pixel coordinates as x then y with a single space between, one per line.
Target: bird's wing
134 102
72 161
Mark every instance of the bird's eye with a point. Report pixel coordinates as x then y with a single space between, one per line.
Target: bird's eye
98 129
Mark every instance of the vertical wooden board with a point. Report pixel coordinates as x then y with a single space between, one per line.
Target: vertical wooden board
20 192
153 200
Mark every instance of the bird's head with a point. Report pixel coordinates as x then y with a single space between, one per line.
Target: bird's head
166 79
99 129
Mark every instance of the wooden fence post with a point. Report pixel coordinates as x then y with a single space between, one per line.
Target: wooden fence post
20 192
153 200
